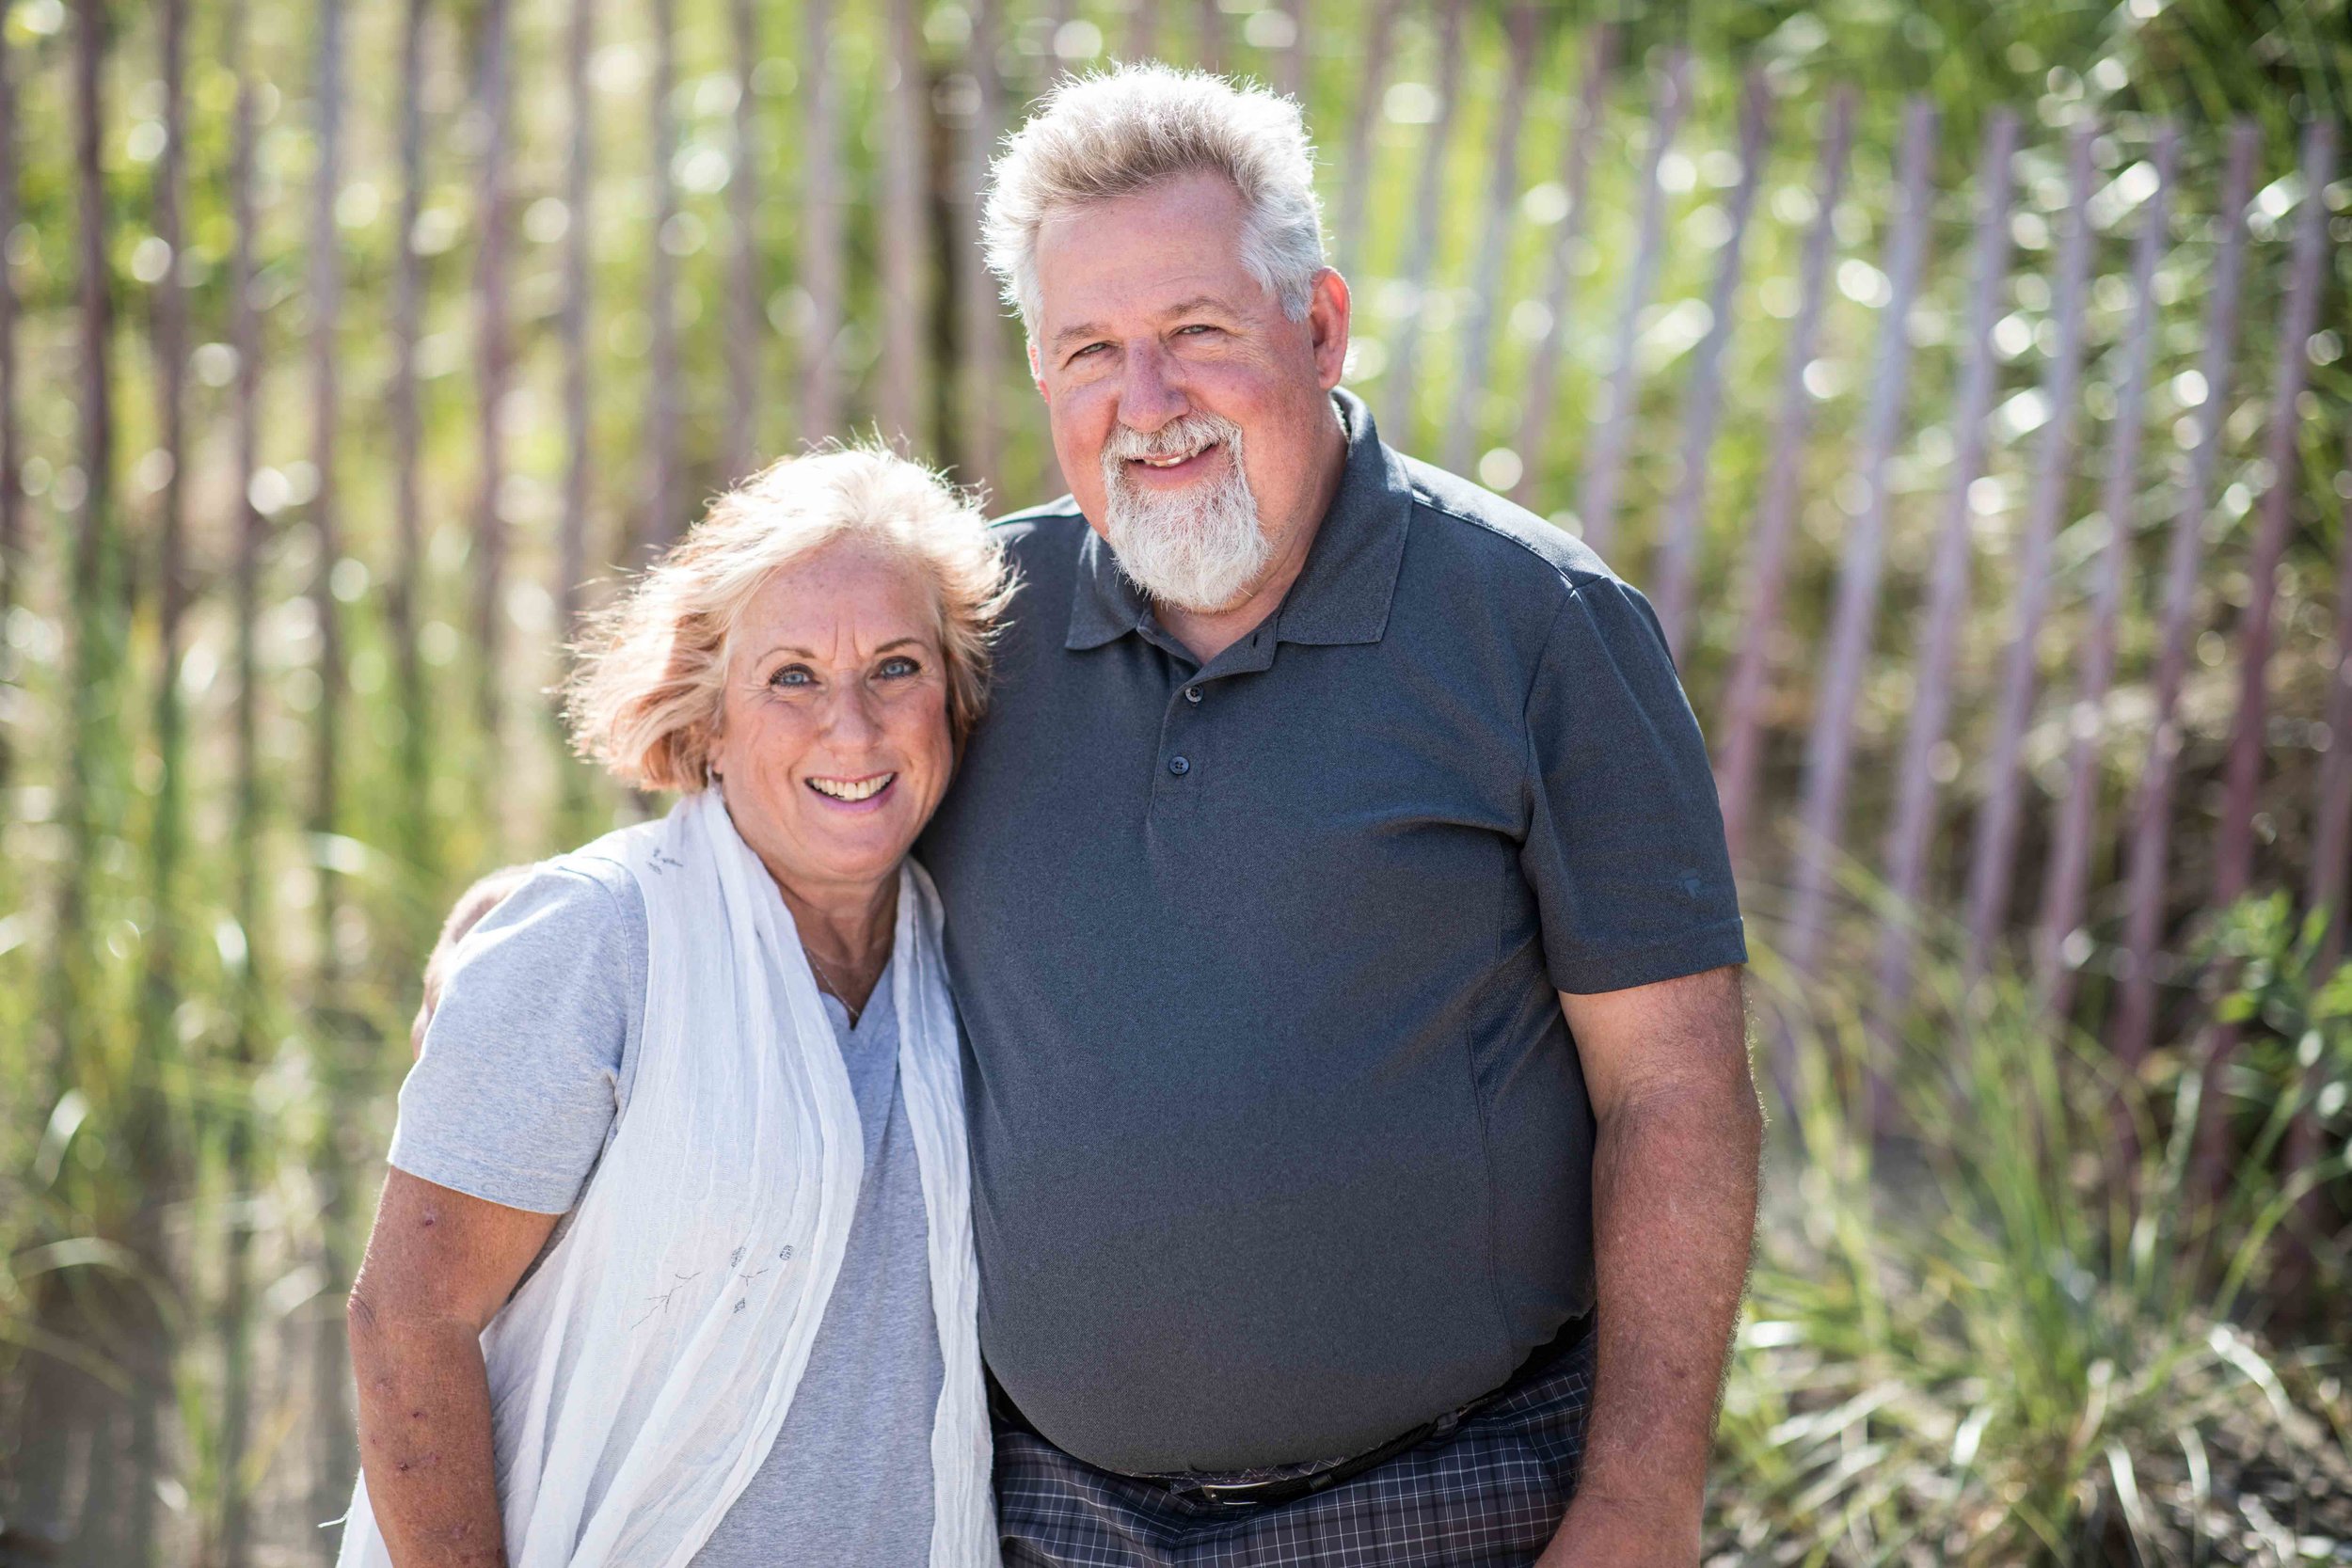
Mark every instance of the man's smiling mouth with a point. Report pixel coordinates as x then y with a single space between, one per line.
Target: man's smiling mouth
1175 460
852 789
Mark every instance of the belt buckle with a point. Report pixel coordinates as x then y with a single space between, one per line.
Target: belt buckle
1238 1495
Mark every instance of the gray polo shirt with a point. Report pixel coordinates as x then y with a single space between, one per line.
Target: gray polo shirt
1280 1143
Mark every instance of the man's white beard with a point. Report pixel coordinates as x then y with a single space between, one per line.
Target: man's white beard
1200 549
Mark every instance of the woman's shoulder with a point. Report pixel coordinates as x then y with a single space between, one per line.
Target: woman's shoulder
586 897
527 1056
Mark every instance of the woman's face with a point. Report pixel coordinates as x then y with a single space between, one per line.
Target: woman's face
832 746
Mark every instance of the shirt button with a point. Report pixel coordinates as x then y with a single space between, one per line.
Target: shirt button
1192 693
1178 766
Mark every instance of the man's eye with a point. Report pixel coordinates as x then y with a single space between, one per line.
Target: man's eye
1081 354
1195 326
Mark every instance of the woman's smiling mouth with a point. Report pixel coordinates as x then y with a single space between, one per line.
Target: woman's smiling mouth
853 791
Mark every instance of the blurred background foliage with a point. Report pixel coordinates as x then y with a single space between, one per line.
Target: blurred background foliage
2016 1329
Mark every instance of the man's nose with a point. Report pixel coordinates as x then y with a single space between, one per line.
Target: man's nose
1148 396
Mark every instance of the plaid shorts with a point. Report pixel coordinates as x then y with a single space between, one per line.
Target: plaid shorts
1490 1492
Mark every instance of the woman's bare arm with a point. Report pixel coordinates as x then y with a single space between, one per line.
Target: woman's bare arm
439 1266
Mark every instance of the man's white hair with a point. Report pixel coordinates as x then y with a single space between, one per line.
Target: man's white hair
1114 134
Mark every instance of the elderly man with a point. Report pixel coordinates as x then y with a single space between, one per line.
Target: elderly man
1337 901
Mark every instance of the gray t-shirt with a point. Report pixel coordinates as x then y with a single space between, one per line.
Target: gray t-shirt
526 1064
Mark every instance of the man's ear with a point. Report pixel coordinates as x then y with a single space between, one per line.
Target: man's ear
1328 305
1037 372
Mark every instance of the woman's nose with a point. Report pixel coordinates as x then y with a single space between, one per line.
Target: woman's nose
853 718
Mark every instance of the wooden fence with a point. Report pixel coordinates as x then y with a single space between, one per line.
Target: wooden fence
1984 527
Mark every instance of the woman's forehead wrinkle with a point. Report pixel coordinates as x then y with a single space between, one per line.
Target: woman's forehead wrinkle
834 610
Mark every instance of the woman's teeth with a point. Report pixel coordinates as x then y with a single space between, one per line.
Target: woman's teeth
852 789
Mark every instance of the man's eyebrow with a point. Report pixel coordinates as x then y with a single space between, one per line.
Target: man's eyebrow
1197 302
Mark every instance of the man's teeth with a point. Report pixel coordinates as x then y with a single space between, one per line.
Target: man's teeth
849 789
1168 462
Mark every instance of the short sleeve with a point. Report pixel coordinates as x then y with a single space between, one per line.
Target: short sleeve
524 1064
1625 842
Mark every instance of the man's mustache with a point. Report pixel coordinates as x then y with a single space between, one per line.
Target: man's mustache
1177 439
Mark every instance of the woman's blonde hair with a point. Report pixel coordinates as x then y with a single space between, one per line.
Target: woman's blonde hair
644 697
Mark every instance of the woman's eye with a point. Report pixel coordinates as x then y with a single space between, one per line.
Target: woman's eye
792 675
899 668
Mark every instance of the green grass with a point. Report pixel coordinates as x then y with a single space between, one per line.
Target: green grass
2016 1333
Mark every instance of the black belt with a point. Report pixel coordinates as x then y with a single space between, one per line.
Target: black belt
1284 1489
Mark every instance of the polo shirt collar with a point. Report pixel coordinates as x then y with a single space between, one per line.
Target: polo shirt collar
1343 593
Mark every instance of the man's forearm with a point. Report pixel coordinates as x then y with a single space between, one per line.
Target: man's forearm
425 1442
1673 1216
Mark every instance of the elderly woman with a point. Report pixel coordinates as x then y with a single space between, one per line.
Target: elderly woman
674 1262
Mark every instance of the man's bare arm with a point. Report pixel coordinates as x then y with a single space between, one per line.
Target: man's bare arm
439 1266
1675 1172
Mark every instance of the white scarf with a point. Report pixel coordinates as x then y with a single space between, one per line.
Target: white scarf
639 1376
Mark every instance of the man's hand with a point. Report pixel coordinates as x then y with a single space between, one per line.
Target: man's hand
1604 1534
1675 1169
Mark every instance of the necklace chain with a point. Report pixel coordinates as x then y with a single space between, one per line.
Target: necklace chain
827 975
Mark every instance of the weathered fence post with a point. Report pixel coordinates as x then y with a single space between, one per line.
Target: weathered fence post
1995 845
2152 809
2069 871
1422 242
1678 553
152 1131
168 329
1829 745
90 649
1742 753
747 323
326 309
2331 832
1356 175
244 957
407 574
11 455
330 1034
981 319
89 791
493 364
571 548
159 1046
1604 461
2234 851
1290 76
2331 840
660 523
1494 246
1543 373
905 234
1947 583
1208 46
821 260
